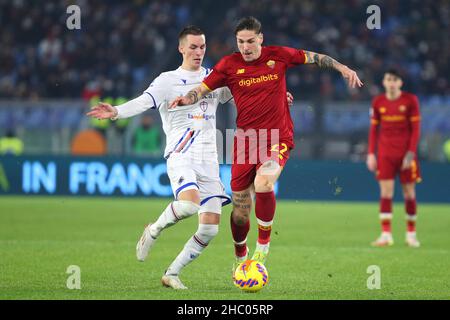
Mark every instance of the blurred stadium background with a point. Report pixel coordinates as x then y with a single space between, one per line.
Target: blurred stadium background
50 76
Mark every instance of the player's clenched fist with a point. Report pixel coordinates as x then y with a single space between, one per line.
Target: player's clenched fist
102 111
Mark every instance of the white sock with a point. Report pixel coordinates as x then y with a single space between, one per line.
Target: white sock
410 233
262 247
175 211
194 247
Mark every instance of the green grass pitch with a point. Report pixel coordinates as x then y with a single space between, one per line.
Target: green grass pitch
319 250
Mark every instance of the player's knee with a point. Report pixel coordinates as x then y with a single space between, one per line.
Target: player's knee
240 217
263 184
387 195
409 194
186 208
387 192
207 232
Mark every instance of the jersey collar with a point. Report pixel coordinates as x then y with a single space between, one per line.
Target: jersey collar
191 73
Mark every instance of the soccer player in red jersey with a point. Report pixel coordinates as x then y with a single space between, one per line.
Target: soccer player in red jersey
394 131
256 76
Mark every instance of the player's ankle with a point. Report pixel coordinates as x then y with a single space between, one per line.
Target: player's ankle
262 246
154 231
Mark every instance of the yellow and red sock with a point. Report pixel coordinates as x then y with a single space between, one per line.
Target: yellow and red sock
265 211
411 214
386 214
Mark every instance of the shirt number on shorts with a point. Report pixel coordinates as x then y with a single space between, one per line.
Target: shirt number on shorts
281 151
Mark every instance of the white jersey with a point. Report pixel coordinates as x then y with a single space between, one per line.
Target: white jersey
190 130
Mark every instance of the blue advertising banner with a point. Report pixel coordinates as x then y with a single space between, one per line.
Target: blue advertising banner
115 176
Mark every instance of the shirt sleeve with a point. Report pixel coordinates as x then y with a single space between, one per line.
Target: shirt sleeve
134 107
414 118
373 131
157 91
414 113
217 78
292 56
225 95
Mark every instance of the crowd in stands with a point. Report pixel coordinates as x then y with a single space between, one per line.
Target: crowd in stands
414 37
121 43
117 47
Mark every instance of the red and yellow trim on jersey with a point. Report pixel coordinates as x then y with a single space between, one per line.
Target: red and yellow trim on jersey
393 118
204 84
306 57
414 119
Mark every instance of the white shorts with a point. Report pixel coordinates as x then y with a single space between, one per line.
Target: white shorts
201 176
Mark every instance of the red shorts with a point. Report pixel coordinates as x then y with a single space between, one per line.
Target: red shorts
246 163
389 167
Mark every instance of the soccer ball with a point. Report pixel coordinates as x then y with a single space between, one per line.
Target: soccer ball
251 276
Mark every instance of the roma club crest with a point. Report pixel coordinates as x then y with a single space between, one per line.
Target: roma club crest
271 64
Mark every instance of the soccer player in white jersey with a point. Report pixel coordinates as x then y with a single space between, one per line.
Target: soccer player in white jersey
192 162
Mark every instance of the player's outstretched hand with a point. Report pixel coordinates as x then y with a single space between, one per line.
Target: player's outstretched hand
102 111
371 162
180 101
290 99
351 77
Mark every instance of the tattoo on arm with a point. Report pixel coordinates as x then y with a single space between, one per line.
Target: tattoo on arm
309 57
321 60
193 96
327 62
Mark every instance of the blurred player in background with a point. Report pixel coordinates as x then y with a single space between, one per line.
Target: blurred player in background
394 135
256 78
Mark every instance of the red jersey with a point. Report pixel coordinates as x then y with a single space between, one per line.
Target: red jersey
259 88
398 124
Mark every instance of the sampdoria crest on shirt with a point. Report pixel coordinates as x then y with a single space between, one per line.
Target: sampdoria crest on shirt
204 106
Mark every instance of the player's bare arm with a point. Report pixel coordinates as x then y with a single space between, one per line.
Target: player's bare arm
191 97
324 61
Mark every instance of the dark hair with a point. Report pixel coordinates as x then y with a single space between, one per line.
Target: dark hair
248 23
196 31
394 72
